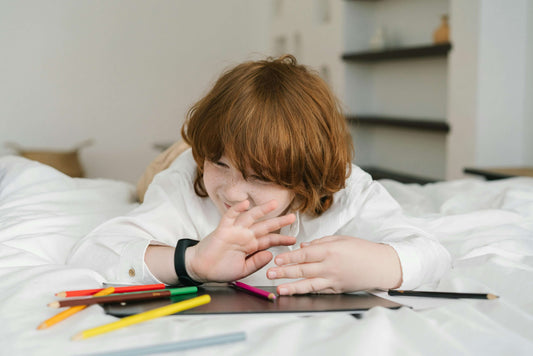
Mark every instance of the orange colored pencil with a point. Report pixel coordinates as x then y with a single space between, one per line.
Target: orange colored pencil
125 289
70 311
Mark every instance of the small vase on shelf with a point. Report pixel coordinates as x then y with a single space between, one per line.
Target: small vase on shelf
377 42
442 34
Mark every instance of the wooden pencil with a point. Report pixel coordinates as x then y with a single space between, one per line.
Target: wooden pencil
254 290
432 294
141 317
125 289
71 311
179 345
124 297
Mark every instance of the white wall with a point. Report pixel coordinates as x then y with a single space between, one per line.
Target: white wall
501 83
312 31
462 86
123 72
413 88
490 91
528 103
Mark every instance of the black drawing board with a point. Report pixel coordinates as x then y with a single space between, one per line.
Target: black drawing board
230 300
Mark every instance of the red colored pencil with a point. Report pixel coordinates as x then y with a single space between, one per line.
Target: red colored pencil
123 297
126 289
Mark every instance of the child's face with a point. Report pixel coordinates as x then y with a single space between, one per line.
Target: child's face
226 187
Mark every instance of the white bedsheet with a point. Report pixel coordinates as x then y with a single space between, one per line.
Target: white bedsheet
487 226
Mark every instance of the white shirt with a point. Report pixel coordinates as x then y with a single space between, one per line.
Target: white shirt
172 211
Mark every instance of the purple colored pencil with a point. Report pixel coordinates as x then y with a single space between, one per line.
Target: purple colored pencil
254 290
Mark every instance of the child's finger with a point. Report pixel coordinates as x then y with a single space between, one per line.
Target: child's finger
321 240
256 261
304 286
272 240
266 226
306 254
234 212
302 270
257 212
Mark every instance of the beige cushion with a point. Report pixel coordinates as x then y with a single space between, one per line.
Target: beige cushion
159 164
65 161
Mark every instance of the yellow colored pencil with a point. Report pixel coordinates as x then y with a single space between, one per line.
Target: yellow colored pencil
141 317
73 310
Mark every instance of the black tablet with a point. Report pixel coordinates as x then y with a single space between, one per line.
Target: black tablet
229 300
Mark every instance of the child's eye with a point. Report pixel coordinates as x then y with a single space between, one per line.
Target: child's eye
221 164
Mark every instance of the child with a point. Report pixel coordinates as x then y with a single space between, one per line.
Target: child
268 174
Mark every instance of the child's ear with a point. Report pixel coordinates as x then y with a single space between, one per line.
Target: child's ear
294 204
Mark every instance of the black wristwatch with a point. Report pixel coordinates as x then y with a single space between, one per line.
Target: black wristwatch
179 262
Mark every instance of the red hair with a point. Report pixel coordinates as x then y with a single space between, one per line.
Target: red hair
280 120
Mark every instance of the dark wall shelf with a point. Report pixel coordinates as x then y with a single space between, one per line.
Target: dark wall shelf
381 173
415 124
438 50
500 173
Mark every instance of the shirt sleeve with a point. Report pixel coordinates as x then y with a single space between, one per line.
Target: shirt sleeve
372 213
116 248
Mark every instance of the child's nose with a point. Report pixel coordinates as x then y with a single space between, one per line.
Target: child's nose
236 190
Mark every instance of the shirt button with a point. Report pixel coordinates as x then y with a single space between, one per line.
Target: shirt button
131 272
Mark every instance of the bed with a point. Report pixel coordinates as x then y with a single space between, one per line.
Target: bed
486 226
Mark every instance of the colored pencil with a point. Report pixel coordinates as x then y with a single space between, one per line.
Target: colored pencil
431 294
86 292
124 297
178 346
255 290
71 311
141 317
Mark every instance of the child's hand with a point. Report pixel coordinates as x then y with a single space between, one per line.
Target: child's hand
336 264
237 246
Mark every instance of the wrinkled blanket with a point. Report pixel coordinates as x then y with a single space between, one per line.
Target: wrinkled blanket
487 227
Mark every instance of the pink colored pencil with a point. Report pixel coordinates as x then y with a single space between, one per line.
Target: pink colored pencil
254 290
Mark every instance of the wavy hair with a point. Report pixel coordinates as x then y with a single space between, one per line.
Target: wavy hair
279 119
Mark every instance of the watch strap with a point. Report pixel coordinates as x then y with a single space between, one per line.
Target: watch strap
179 262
